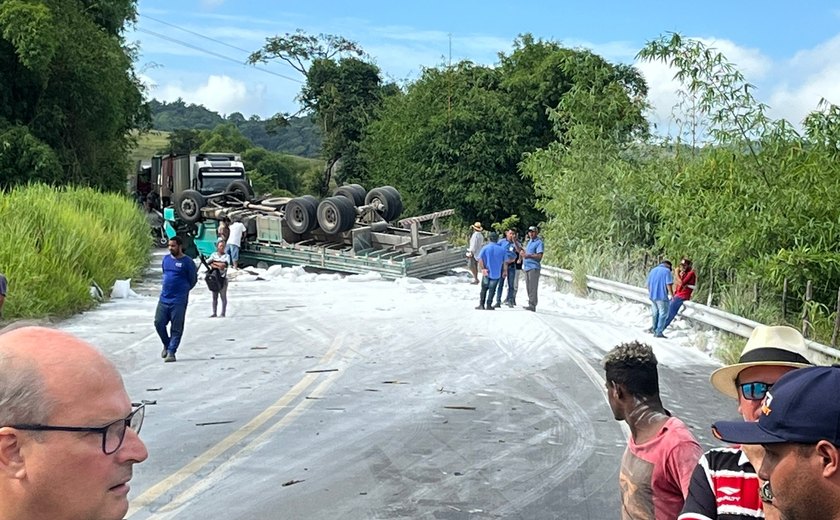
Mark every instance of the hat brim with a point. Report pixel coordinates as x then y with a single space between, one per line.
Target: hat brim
741 432
723 379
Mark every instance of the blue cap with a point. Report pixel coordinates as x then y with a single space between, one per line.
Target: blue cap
802 407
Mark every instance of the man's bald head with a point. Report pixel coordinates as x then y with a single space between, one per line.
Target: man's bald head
35 364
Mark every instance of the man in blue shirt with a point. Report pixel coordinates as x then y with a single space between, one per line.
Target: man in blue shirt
179 276
512 247
660 283
532 258
491 261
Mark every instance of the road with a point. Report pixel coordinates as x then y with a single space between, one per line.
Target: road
322 397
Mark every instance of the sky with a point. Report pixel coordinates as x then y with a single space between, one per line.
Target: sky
196 49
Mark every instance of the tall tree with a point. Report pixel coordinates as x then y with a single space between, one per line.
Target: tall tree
342 90
69 92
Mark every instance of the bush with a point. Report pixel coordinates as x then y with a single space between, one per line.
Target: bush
59 241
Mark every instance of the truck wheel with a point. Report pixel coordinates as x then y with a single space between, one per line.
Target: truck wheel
241 189
354 192
336 214
388 199
301 214
188 206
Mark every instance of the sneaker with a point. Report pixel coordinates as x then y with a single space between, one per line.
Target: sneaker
498 304
480 308
170 358
490 307
660 335
510 304
164 353
212 315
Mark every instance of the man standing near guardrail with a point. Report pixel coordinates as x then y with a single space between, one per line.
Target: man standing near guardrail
532 259
724 485
660 284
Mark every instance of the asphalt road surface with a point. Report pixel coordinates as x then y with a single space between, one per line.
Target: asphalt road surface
321 397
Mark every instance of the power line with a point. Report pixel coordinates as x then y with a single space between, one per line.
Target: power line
220 42
215 54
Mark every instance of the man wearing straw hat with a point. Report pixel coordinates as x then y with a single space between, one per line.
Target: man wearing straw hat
476 243
725 484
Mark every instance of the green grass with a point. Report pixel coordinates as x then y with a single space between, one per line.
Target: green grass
148 144
64 239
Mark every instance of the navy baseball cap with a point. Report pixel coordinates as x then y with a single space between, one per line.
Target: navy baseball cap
802 407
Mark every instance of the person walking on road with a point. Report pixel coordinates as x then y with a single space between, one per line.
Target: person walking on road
532 259
491 261
69 434
179 277
473 249
725 484
684 286
234 242
799 429
660 284
661 452
220 261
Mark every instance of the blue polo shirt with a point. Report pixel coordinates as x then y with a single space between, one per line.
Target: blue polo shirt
658 280
179 276
533 247
493 256
509 247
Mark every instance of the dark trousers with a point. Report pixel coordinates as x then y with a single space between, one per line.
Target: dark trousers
172 314
511 283
488 285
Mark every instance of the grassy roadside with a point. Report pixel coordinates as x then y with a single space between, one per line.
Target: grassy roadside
60 240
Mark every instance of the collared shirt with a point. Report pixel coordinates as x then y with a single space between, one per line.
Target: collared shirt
493 257
724 486
476 243
658 280
533 247
179 276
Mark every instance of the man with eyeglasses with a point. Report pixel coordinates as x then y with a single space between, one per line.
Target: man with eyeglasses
68 431
725 484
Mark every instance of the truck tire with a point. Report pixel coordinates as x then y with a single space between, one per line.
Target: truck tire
188 206
301 214
389 201
354 192
336 215
241 189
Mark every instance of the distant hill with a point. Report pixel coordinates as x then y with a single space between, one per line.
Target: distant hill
301 137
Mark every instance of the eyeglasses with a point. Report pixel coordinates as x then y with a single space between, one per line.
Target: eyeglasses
754 391
113 434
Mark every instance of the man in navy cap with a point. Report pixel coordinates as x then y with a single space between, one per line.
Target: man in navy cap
799 428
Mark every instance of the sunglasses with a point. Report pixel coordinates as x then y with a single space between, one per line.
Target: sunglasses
754 391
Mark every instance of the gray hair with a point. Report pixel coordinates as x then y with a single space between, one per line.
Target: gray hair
23 394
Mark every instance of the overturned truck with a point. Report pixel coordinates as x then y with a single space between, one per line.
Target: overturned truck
352 231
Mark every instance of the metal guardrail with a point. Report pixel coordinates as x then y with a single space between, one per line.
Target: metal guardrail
694 311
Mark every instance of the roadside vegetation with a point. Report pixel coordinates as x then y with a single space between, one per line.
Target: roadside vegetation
60 241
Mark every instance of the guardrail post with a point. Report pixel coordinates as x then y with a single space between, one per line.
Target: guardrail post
711 287
806 324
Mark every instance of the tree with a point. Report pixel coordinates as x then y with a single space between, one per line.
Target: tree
224 138
342 90
69 83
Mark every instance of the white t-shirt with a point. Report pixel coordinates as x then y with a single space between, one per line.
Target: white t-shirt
237 229
224 257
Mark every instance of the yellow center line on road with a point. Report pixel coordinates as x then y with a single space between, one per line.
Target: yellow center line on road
218 474
155 492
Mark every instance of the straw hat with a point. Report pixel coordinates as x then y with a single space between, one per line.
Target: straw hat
477 227
773 346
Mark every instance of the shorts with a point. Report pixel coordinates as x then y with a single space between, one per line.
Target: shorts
233 252
472 263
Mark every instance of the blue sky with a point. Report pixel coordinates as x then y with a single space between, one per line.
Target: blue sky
790 50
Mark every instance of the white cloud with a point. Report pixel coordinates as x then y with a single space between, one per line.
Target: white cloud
222 94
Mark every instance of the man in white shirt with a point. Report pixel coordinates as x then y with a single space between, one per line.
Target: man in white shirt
234 242
475 245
